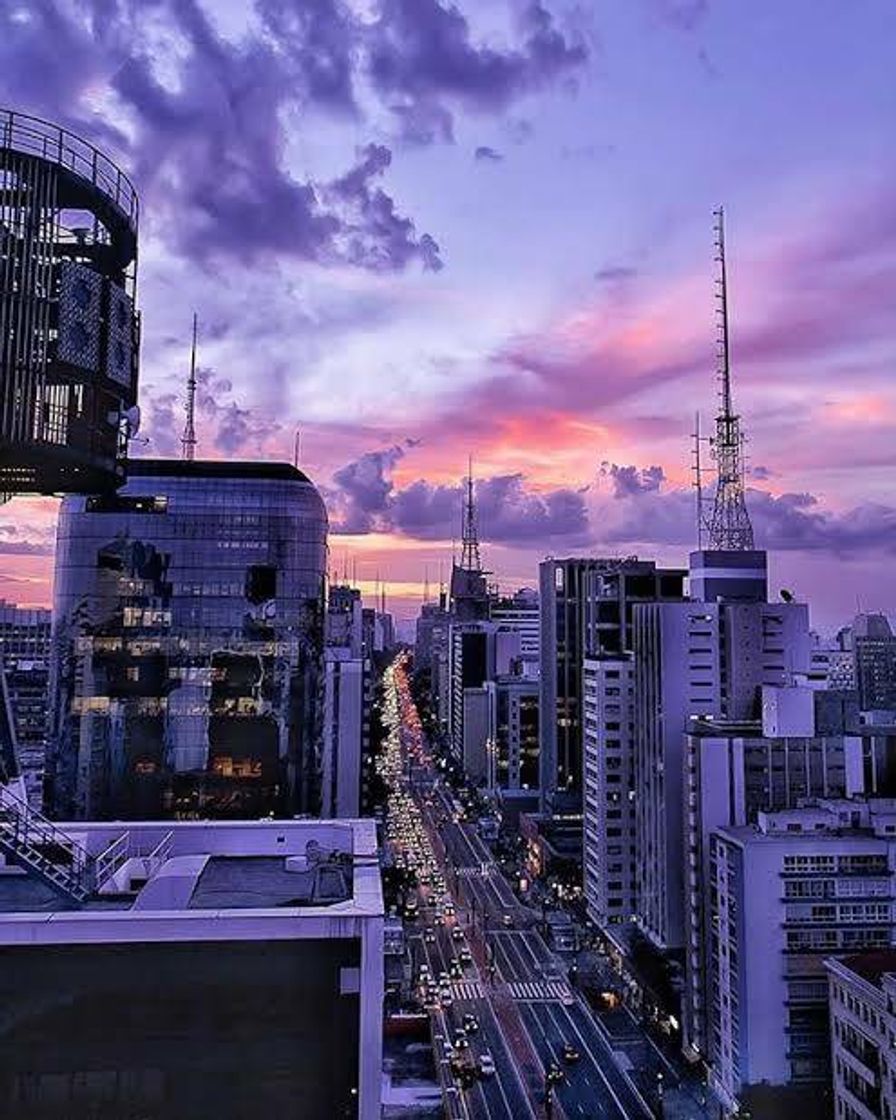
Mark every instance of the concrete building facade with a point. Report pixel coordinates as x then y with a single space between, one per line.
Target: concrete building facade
227 969
786 893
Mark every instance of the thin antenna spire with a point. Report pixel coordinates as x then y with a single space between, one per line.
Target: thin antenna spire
425 583
188 440
470 558
297 449
698 480
729 525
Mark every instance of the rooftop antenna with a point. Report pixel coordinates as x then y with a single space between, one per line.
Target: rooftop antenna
697 469
425 584
383 599
297 449
188 440
470 558
729 524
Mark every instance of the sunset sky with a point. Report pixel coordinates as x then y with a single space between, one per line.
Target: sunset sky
416 231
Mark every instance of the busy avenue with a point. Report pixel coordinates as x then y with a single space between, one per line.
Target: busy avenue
510 1036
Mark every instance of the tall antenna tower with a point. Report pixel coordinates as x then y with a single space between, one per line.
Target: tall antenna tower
470 558
729 523
188 440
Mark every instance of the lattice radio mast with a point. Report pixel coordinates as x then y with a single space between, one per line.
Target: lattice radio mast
188 440
470 558
729 523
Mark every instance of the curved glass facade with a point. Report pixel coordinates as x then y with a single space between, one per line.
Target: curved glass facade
188 637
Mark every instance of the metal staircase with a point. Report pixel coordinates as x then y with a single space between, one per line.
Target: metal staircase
34 843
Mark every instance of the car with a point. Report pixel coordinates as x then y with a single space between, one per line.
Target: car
461 1042
569 1053
457 934
507 920
554 1074
444 978
445 996
429 935
465 957
486 1065
470 1024
456 970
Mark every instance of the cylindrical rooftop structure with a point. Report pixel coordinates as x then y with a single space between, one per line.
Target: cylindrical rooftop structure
69 329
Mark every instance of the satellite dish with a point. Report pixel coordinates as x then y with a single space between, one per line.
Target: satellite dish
132 419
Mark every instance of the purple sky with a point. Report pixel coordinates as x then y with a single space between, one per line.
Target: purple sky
417 230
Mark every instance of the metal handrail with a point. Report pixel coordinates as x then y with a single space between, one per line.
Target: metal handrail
160 853
28 830
109 861
20 132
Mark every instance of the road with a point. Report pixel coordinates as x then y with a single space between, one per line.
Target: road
515 986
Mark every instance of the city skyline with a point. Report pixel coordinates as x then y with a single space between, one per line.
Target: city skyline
508 253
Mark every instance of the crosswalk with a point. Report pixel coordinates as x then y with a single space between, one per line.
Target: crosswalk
540 991
467 989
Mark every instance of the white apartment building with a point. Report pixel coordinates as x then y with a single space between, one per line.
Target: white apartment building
520 612
610 861
696 659
862 1002
344 731
733 771
785 893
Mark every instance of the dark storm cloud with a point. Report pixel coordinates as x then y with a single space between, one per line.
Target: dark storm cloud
364 499
489 155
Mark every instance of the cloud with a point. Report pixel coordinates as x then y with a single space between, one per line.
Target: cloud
204 135
683 15
25 548
615 273
423 61
363 491
632 480
374 236
488 154
364 499
641 511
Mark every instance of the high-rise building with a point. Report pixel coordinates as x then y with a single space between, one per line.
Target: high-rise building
25 662
784 893
188 645
610 860
698 659
227 969
520 612
734 771
586 608
862 1003
874 654
512 745
347 698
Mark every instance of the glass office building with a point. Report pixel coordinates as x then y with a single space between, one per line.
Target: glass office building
187 648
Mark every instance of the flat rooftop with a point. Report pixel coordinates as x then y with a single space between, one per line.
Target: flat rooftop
872 965
200 874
